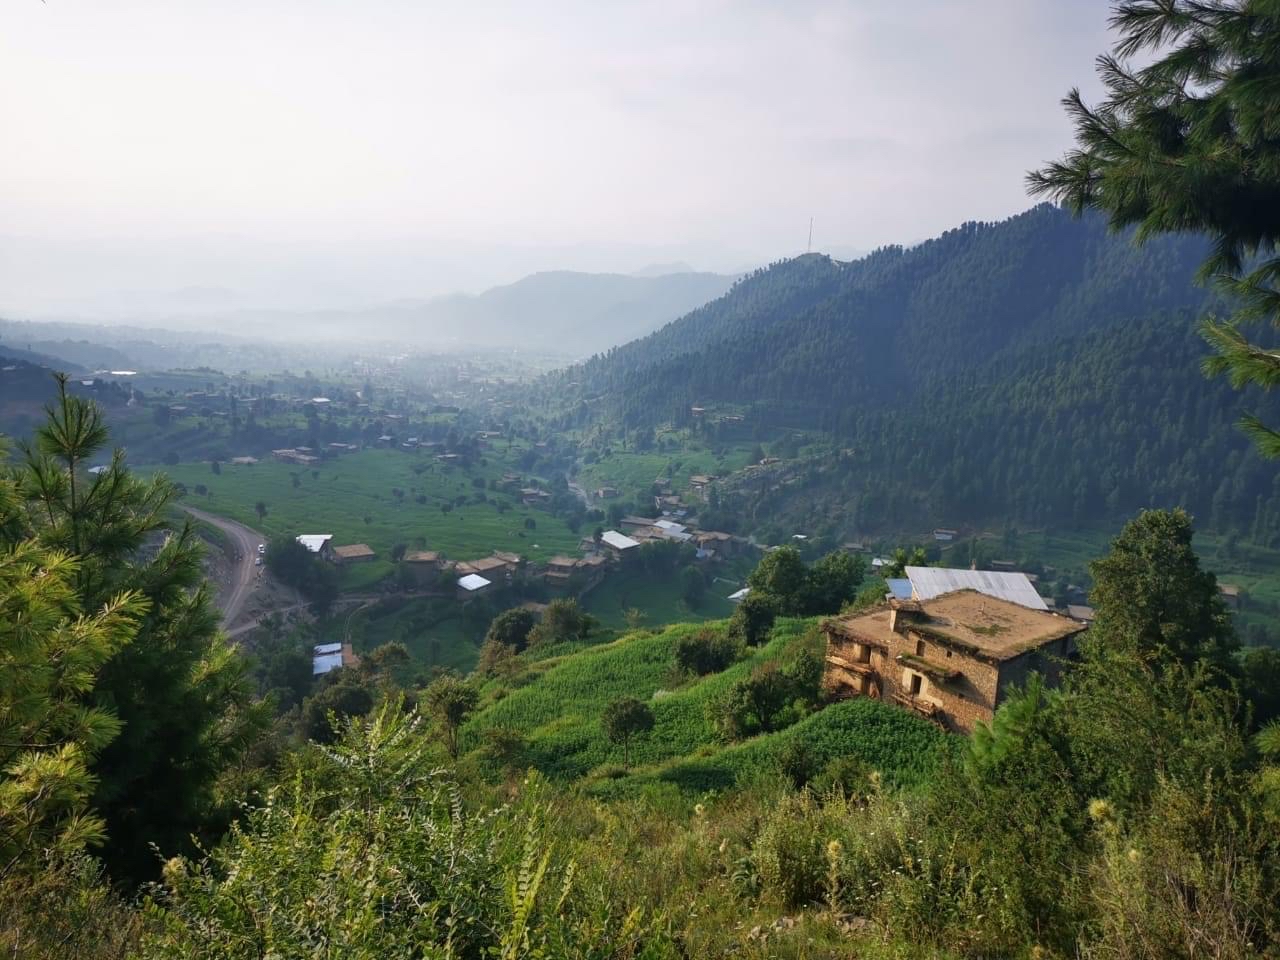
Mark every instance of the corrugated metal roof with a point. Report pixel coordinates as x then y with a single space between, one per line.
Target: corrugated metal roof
739 595
325 663
619 541
314 541
899 589
930 582
472 581
323 648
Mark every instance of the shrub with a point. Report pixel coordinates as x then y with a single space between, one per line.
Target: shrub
707 651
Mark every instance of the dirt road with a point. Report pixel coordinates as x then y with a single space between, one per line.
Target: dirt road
245 543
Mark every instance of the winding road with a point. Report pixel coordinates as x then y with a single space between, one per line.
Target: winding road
245 574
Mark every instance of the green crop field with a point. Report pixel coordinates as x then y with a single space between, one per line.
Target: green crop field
558 705
436 631
633 473
352 498
655 596
903 748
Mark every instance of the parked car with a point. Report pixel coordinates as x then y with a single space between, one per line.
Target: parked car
262 548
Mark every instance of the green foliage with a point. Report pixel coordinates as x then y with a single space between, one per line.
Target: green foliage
450 701
1185 142
752 620
770 698
50 659
1153 599
707 651
562 622
181 694
511 628
292 563
795 590
335 702
370 851
624 718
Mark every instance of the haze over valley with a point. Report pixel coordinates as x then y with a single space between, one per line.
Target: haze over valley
640 482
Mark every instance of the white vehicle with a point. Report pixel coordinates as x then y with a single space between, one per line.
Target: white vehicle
262 548
257 561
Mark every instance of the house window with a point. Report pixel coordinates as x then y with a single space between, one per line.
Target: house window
863 651
916 682
919 648
948 654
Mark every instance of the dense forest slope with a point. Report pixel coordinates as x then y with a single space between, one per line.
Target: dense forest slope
1040 369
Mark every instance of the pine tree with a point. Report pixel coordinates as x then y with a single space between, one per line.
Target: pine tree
1191 142
50 657
180 691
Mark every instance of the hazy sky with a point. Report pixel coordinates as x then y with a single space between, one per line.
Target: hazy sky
308 151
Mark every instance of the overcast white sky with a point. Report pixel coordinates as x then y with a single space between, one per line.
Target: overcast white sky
306 152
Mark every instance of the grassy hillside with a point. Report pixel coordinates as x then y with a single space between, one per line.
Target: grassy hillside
656 596
558 702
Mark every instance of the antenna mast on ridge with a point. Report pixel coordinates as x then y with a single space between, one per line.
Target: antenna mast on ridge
809 247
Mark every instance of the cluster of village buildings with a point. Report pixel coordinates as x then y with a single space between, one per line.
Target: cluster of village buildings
431 570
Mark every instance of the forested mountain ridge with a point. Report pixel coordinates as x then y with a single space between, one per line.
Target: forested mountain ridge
877 329
1072 432
1038 370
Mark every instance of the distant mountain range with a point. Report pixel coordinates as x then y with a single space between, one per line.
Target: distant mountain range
1038 370
559 312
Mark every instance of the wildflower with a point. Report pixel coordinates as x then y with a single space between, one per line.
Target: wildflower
834 849
1134 855
699 810
1100 811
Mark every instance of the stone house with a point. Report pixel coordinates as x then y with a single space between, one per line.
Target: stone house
952 659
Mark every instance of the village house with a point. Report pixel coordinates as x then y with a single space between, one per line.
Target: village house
321 544
559 571
699 484
723 544
243 461
472 586
1231 595
425 566
531 496
300 456
327 657
636 523
606 493
618 543
930 582
581 573
952 659
353 553
485 567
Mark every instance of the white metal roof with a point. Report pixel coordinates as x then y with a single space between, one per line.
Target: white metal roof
473 581
325 662
670 526
323 648
899 589
739 595
619 541
930 582
314 541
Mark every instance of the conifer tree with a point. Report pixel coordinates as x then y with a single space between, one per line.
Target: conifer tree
181 693
1190 142
50 657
